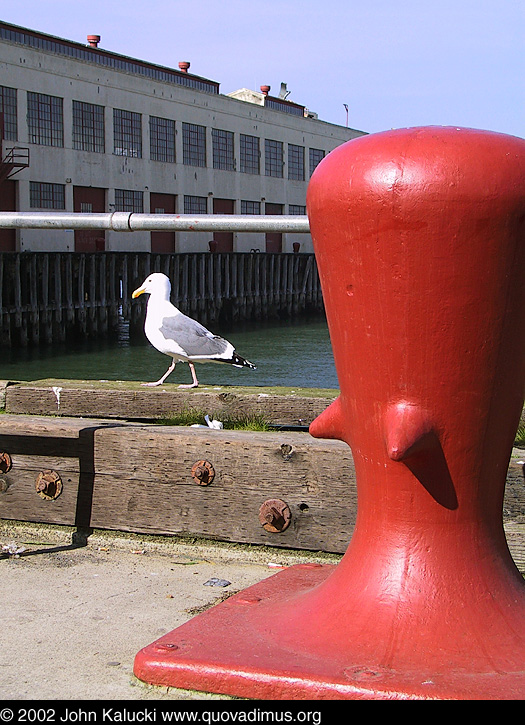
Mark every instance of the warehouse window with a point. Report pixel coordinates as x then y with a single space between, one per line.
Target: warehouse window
88 127
273 158
126 200
249 154
103 58
127 133
45 119
296 209
162 139
8 110
194 144
316 156
43 195
250 207
222 150
295 162
195 205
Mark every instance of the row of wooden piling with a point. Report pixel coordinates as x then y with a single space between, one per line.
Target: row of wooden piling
46 297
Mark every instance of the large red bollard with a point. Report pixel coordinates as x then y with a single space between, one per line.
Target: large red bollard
420 241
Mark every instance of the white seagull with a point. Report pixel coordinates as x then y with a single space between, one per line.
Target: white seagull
180 337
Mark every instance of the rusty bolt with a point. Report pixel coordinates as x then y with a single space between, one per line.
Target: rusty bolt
5 462
286 451
275 515
203 472
48 485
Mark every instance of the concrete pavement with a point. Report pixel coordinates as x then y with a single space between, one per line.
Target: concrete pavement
73 618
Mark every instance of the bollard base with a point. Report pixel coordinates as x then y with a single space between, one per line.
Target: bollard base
243 647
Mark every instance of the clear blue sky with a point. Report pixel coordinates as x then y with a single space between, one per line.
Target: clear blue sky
395 63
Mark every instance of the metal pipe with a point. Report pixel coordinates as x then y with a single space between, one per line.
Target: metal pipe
120 221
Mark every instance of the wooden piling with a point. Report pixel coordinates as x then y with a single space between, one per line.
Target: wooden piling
45 297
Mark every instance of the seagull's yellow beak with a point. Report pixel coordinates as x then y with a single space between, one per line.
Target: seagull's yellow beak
138 292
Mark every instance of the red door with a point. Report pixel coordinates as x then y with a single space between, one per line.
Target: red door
162 242
8 203
89 199
224 240
274 240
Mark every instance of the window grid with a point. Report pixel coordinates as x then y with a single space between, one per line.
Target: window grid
45 119
127 200
44 195
250 154
315 158
285 106
250 207
273 158
100 57
162 139
295 162
8 98
195 205
222 150
127 133
193 144
88 127
296 209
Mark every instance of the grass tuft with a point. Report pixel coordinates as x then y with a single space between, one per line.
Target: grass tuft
194 416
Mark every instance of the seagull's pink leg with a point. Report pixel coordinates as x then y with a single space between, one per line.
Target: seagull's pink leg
163 378
195 383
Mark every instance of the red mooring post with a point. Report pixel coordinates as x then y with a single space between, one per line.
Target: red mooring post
420 241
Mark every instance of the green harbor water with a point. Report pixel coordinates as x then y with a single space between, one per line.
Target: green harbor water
291 354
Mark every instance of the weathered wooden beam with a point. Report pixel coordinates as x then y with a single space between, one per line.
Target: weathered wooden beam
198 482
153 488
130 400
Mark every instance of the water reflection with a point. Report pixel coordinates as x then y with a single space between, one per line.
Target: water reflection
294 353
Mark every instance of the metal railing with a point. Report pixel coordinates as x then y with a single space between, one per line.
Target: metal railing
120 221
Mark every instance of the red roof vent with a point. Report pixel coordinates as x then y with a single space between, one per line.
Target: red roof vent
93 40
184 65
265 90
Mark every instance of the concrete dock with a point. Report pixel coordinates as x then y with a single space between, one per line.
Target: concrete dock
74 616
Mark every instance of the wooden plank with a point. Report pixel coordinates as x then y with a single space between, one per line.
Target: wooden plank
34 316
45 306
57 279
125 400
70 311
18 291
36 445
152 488
138 478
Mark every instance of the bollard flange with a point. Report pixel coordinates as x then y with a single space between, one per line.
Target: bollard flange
48 485
203 472
275 515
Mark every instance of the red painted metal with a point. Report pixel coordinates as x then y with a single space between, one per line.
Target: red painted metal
419 237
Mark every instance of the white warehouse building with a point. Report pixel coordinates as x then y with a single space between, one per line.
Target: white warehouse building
87 130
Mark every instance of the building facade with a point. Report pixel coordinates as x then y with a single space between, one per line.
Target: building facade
87 130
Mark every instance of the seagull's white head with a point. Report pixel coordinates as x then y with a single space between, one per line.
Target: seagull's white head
156 284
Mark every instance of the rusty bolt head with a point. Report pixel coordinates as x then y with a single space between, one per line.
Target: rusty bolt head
5 462
48 485
286 451
203 472
275 515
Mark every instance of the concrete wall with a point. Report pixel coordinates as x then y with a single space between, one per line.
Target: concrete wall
28 69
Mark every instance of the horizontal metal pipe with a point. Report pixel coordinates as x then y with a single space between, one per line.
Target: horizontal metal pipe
121 221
